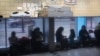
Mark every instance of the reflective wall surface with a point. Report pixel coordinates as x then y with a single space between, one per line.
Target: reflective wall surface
2 34
22 26
66 23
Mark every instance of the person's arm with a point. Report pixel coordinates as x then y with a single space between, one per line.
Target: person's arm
81 34
10 41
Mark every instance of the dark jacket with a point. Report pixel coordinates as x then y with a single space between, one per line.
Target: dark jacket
59 37
72 35
84 35
97 34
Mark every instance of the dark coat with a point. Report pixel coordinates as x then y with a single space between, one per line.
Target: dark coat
59 37
72 36
97 34
84 35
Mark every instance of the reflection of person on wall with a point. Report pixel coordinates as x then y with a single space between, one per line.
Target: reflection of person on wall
71 37
37 38
97 34
13 40
84 35
59 36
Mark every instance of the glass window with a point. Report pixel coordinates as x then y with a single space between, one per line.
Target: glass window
67 23
92 22
2 34
32 23
95 22
89 23
14 24
22 26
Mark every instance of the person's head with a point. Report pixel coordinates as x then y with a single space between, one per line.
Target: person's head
83 27
37 29
13 33
72 30
60 29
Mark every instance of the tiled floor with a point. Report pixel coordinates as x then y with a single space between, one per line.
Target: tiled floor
74 52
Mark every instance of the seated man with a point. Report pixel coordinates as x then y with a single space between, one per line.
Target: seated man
13 40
